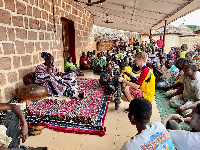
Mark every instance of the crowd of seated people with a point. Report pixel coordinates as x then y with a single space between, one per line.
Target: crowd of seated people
176 73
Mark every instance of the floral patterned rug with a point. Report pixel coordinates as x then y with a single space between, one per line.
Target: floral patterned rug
76 116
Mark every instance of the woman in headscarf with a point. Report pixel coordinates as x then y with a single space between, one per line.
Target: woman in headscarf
56 82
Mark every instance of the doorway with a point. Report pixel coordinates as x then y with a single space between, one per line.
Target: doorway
68 37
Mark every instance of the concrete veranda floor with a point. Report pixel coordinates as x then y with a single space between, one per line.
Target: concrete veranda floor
118 131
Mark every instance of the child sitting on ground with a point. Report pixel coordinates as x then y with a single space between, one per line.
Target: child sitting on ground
191 91
92 59
99 64
84 62
135 69
109 80
183 50
168 74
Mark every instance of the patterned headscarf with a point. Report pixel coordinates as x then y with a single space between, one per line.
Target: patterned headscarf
45 55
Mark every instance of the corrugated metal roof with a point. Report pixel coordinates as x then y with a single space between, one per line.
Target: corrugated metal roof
139 15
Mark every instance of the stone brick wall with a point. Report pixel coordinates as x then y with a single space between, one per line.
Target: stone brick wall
27 28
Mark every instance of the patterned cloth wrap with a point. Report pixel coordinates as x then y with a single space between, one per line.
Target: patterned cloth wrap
56 86
79 115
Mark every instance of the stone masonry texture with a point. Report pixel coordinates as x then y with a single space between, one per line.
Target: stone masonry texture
29 27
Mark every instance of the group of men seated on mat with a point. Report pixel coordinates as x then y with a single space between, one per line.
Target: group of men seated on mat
180 80
172 71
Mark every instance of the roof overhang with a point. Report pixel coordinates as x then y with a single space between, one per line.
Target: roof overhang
139 15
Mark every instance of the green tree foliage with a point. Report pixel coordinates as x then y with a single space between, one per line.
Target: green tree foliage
192 27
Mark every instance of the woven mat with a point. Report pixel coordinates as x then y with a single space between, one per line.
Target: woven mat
76 116
163 106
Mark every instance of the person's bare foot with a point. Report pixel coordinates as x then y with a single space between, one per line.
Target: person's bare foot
81 95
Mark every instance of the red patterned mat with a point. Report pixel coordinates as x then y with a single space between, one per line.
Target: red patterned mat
78 116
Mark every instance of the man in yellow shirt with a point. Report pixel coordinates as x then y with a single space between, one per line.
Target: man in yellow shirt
144 86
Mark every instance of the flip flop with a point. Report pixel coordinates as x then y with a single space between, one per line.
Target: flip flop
36 128
34 133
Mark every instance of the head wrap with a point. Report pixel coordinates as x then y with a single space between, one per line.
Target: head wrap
45 55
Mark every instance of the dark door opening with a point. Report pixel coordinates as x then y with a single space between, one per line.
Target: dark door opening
68 36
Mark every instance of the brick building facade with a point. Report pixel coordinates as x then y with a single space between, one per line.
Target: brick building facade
27 28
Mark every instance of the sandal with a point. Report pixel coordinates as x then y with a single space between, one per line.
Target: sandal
36 128
33 133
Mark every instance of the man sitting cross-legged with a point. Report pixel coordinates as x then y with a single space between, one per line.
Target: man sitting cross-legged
191 91
150 135
144 86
